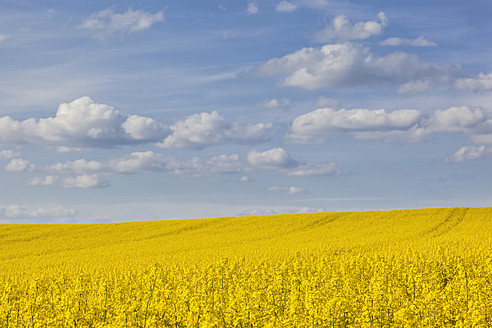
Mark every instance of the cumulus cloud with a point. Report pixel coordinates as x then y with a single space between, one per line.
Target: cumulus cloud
80 166
342 29
279 159
252 8
205 129
84 181
271 159
245 178
106 22
271 211
147 162
456 119
350 65
480 83
418 42
19 165
3 37
274 103
22 212
144 128
470 153
48 180
313 127
417 86
475 122
292 190
84 173
403 124
127 164
307 170
82 123
285 7
9 154
197 167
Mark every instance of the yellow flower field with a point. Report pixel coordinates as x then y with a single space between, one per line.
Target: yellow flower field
403 268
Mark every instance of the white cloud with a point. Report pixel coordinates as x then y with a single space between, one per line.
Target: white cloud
144 128
22 212
417 86
136 162
149 162
470 153
82 123
46 181
475 122
404 124
341 29
327 102
274 103
107 22
3 37
307 170
196 131
80 166
270 159
418 42
84 181
9 154
456 119
65 149
245 178
206 129
314 126
480 83
278 158
292 190
19 165
127 164
271 211
349 65
197 167
285 7
252 8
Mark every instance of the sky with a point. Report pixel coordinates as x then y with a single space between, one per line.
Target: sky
124 110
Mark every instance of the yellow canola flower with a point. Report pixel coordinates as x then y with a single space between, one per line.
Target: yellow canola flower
406 268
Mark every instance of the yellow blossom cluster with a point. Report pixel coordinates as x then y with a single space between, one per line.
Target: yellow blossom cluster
405 268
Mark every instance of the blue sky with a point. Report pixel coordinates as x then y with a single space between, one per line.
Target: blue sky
134 110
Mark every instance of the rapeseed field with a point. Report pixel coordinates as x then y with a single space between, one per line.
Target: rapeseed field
402 268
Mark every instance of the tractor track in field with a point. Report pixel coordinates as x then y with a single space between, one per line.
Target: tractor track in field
454 218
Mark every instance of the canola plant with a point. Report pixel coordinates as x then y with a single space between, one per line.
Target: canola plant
404 268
